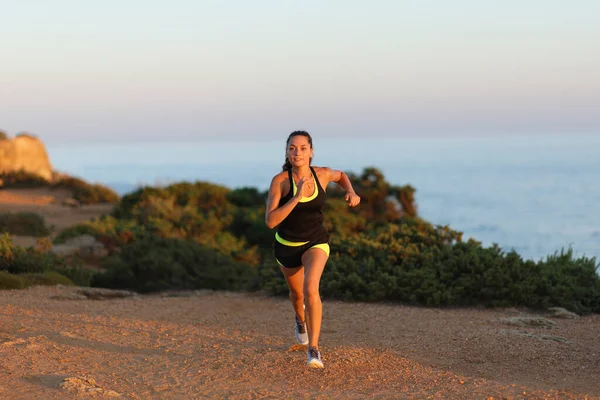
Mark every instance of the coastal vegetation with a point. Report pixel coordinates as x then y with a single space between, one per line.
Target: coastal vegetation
199 235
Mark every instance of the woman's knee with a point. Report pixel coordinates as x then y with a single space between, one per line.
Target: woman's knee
296 295
311 290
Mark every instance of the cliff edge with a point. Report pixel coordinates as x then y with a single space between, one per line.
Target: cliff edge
27 153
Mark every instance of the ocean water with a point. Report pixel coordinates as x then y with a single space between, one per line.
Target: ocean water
535 194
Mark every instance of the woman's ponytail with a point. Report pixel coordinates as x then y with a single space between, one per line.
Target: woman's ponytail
287 165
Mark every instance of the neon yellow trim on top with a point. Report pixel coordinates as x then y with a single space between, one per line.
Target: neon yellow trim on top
313 196
287 242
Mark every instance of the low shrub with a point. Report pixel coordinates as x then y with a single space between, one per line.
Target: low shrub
22 180
48 278
10 281
413 264
154 264
110 231
24 224
21 261
87 193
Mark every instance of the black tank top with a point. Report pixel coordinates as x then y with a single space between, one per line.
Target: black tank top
305 222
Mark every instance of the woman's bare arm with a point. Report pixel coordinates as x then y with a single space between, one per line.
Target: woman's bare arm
274 215
342 179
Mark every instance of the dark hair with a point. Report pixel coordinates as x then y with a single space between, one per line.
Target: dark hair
288 165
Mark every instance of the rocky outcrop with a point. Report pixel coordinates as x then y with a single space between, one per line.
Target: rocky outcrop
27 153
85 245
559 312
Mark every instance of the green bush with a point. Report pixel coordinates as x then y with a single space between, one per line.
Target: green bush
24 224
422 265
123 209
204 197
22 180
87 193
6 251
3 135
22 281
249 224
199 212
77 273
270 278
22 261
341 221
108 230
572 283
49 278
381 202
192 235
247 197
30 261
84 228
153 264
10 281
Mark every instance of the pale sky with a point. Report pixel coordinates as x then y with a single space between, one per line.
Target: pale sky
117 70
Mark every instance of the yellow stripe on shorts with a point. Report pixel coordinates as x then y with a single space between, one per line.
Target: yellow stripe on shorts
322 246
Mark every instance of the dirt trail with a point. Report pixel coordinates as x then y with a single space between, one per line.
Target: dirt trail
54 345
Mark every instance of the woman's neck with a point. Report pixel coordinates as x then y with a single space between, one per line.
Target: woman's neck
301 172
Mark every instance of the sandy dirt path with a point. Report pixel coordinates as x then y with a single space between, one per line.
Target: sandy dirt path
57 345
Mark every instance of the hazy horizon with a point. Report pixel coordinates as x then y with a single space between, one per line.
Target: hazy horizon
125 71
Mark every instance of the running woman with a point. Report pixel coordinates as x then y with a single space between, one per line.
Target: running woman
301 247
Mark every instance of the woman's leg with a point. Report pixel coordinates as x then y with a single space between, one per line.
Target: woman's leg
314 261
295 280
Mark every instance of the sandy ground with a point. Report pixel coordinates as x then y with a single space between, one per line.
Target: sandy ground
241 346
57 344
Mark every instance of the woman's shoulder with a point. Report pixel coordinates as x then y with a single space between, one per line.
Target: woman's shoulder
279 178
322 170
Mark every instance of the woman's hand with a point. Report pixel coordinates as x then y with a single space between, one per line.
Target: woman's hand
352 199
303 187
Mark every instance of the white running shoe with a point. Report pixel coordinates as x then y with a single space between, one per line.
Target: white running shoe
314 358
301 332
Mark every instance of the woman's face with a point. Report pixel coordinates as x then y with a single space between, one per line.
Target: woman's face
299 151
